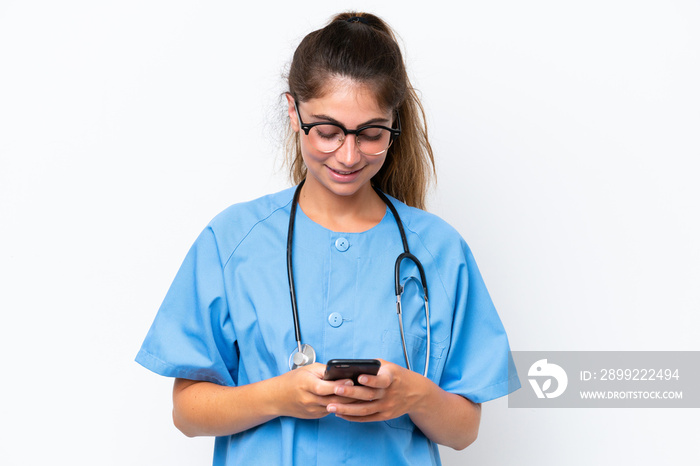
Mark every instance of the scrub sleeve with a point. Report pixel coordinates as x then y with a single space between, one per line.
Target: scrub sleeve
479 365
192 336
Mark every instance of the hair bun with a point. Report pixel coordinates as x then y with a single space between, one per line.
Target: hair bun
357 19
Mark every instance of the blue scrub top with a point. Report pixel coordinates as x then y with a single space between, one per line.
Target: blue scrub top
227 319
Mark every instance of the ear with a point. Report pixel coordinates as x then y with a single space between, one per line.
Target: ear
293 119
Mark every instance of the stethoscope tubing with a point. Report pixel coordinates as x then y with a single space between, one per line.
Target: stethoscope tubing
405 255
290 269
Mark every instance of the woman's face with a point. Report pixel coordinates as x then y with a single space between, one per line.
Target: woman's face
345 171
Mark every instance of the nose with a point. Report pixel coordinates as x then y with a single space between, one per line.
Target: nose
348 154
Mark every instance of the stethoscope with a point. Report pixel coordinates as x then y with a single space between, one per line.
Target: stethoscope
304 354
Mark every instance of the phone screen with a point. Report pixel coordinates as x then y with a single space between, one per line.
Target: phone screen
337 369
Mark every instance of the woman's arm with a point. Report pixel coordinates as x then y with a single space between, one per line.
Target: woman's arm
445 418
204 408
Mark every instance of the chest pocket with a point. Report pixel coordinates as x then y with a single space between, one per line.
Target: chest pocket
416 346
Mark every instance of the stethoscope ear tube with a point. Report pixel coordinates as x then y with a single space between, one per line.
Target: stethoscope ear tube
399 311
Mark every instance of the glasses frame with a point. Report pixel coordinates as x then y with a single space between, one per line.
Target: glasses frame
394 132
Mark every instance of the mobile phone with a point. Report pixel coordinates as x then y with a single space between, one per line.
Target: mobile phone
337 369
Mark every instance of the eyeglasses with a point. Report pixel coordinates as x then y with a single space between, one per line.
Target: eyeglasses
329 137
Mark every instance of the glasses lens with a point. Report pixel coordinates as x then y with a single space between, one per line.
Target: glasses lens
370 141
326 138
374 141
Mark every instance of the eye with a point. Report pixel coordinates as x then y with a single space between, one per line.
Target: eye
371 134
327 132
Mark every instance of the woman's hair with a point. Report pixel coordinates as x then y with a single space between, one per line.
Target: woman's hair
366 51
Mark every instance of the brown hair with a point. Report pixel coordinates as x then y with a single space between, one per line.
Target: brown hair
366 51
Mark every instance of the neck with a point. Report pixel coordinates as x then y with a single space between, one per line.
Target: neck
350 214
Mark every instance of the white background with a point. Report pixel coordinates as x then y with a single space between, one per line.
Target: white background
566 137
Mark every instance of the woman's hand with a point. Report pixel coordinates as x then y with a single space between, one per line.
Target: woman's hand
205 408
445 418
394 391
304 394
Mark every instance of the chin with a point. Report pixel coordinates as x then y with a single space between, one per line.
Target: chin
344 191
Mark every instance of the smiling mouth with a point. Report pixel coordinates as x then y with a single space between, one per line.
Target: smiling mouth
345 172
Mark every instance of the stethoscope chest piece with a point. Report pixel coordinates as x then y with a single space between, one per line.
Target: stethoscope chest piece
302 357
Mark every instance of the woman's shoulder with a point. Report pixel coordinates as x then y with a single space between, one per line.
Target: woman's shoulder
244 213
237 221
426 224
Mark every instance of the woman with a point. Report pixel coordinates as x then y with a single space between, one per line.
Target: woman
224 330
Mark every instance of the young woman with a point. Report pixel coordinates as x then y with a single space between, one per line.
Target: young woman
315 266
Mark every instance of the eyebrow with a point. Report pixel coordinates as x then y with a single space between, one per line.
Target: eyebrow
373 121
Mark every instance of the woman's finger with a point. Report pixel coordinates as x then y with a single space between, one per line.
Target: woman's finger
383 379
359 392
355 410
